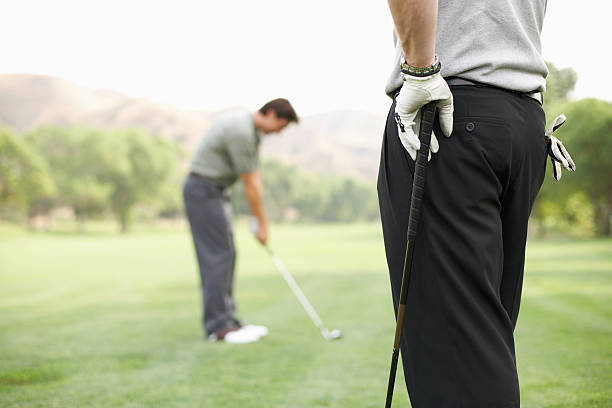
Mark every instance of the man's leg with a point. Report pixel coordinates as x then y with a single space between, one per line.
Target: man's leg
518 201
229 299
428 369
214 249
457 347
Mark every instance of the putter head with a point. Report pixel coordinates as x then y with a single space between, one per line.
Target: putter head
332 335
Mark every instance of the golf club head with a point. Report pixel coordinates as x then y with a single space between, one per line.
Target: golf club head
332 334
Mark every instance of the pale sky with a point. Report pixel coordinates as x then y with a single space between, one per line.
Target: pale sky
208 55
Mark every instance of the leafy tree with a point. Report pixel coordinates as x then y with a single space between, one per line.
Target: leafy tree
586 134
73 156
135 165
314 197
24 179
168 201
559 85
550 209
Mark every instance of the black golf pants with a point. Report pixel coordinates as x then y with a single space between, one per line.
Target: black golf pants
465 288
209 214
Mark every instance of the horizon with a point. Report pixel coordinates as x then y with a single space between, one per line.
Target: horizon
169 105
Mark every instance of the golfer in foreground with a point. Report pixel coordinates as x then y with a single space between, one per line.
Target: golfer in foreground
481 61
228 151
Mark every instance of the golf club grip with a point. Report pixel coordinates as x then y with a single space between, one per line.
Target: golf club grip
418 185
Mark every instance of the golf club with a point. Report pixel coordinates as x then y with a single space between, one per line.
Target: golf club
418 185
280 266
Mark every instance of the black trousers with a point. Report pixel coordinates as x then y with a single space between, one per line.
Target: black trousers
465 289
209 213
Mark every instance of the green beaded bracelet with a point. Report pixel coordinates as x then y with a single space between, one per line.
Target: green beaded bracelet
421 72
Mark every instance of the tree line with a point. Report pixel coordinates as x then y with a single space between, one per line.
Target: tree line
581 202
99 173
93 172
293 195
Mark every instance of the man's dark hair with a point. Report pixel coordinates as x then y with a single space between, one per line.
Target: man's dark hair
283 109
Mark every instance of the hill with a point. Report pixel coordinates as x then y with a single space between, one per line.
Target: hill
341 142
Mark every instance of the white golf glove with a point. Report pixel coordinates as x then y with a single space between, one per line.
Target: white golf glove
416 92
557 152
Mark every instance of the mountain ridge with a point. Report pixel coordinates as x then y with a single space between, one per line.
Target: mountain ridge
343 142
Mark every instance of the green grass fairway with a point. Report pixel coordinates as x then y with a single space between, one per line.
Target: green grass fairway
103 320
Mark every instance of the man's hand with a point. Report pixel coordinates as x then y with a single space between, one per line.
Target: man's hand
259 230
416 92
559 156
253 189
262 234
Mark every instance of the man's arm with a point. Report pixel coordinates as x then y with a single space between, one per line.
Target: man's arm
415 24
253 189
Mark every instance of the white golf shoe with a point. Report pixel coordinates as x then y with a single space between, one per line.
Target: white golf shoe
261 331
234 336
241 336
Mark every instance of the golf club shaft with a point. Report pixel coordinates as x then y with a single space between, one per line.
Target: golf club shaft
298 292
418 186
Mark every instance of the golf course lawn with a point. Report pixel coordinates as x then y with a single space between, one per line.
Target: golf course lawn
109 320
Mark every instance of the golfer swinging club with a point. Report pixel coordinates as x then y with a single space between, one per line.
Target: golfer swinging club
481 61
229 150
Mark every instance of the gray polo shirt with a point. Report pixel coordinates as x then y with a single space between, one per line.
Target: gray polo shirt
229 147
493 42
